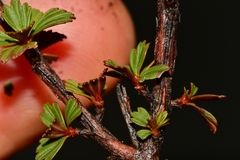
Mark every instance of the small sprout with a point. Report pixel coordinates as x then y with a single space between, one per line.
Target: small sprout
188 97
59 128
134 71
93 90
143 119
8 88
140 117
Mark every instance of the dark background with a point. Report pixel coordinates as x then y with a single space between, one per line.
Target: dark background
208 36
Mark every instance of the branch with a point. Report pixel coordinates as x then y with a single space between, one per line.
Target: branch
126 111
165 51
41 67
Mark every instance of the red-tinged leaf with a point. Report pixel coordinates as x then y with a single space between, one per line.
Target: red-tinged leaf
207 97
212 126
15 51
209 118
95 86
56 130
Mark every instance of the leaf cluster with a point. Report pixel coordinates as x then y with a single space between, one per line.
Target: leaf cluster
142 118
189 96
134 71
26 22
59 128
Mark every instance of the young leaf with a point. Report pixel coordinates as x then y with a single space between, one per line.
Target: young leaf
16 15
161 119
51 18
144 133
48 151
193 89
51 113
137 57
58 114
140 117
15 51
153 72
6 40
72 111
72 86
36 15
47 117
210 119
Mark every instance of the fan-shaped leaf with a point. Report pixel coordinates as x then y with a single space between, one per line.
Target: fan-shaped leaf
161 119
137 57
15 51
153 72
72 86
58 114
140 117
6 40
72 111
16 15
48 151
144 133
51 18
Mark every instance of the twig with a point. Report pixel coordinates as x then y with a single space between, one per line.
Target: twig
123 100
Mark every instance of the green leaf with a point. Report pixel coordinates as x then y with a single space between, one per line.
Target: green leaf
144 133
16 15
6 40
153 72
137 57
72 86
140 117
15 51
72 111
51 18
149 66
110 63
52 112
193 89
161 119
58 114
36 15
48 151
47 117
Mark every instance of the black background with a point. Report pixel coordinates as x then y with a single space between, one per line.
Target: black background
208 36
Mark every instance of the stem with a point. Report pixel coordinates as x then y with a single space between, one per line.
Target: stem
165 53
